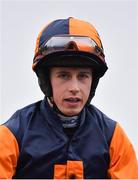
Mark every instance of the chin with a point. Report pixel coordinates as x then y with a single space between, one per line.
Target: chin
72 113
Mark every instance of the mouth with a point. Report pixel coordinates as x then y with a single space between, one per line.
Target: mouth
73 100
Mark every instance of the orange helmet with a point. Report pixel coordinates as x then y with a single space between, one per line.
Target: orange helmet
68 42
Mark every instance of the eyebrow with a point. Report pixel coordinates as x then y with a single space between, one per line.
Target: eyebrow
65 71
62 71
84 72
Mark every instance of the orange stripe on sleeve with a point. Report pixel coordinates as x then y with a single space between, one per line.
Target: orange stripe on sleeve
9 152
123 162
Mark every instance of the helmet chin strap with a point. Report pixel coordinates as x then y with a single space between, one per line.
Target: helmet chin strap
67 121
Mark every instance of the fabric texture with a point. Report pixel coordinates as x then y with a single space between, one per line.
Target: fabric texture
41 148
43 142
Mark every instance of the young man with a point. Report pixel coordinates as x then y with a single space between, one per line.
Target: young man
64 136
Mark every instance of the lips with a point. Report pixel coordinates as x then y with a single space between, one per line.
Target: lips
73 100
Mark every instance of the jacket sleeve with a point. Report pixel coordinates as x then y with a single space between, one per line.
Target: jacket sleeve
9 152
123 162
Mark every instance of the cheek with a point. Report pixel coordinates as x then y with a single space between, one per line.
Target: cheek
87 88
87 91
54 88
57 91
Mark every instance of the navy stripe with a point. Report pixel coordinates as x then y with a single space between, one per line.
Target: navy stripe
60 26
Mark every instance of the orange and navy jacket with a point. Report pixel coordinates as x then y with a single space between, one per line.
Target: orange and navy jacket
33 145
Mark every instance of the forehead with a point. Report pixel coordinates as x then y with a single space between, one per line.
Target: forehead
71 69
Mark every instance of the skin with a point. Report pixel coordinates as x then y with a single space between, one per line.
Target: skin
71 88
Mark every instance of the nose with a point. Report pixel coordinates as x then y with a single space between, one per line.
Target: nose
74 86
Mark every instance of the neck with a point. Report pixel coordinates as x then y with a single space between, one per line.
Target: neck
67 121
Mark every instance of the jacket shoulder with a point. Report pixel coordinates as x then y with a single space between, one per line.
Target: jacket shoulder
18 122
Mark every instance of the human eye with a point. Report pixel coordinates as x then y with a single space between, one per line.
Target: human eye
84 76
63 75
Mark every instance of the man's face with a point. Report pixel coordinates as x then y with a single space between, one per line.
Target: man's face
71 88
